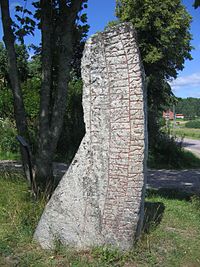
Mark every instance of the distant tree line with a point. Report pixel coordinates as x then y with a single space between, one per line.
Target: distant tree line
189 107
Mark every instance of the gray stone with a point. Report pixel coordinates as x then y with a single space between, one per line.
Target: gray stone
99 200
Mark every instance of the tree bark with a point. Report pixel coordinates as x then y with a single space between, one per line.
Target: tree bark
9 40
51 120
65 58
19 110
44 168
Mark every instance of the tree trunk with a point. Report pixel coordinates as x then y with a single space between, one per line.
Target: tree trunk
44 170
51 120
9 40
19 110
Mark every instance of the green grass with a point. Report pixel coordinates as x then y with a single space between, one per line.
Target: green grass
184 160
171 238
168 153
187 132
9 155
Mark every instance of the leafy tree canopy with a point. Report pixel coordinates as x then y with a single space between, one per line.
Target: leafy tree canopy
163 33
22 63
164 42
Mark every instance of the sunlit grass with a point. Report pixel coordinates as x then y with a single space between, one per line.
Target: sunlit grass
171 238
187 132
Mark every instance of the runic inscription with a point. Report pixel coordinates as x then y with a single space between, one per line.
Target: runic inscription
100 198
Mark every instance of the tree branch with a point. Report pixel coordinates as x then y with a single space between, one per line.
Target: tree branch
9 40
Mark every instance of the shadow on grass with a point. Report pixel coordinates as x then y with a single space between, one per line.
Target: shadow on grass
170 193
154 210
153 213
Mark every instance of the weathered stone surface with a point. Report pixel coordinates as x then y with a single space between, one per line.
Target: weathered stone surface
100 198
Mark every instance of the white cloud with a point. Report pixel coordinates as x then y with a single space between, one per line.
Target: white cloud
189 81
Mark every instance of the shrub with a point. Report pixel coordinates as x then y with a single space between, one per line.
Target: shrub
8 142
168 153
193 124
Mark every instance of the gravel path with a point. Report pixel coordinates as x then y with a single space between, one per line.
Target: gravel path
186 180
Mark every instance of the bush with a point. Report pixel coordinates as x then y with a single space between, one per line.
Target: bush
193 124
165 153
8 142
168 153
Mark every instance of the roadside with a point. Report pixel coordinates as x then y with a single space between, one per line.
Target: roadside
184 180
192 146
190 133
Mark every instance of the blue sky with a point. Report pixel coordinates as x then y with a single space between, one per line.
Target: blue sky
188 82
100 12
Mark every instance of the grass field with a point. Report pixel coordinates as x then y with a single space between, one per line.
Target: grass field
187 132
171 238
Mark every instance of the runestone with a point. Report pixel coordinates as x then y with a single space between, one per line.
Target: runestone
100 199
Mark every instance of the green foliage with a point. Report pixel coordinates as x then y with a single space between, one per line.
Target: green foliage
193 124
164 42
34 65
163 33
8 142
22 61
111 24
108 256
189 107
24 23
3 65
30 90
182 131
22 64
9 155
6 103
169 154
74 127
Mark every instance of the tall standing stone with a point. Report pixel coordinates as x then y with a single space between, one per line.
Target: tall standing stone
99 200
